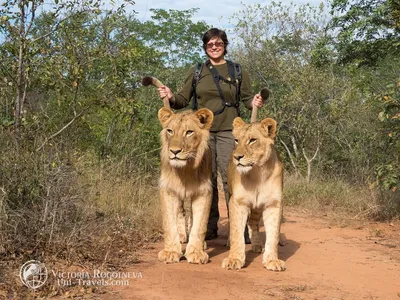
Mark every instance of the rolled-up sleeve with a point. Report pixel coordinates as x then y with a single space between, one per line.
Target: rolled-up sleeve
246 94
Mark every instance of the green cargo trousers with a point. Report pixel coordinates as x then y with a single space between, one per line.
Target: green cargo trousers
221 144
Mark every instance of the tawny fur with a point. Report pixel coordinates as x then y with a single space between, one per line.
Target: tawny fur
264 95
149 80
185 177
255 179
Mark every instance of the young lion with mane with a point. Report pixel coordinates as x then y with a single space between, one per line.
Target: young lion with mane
185 176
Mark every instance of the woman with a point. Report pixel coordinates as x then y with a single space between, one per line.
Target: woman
217 90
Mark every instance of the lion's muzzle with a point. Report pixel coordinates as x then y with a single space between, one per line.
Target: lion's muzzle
243 165
177 159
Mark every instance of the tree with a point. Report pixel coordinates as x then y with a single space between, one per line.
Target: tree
16 26
175 35
277 45
368 30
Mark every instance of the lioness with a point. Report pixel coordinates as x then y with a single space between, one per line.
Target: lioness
185 175
255 179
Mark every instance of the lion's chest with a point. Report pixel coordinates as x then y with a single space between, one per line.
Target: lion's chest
258 196
185 187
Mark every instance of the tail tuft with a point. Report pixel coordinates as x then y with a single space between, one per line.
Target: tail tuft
264 93
147 80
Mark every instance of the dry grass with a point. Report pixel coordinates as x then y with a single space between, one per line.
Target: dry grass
132 203
340 200
83 216
89 218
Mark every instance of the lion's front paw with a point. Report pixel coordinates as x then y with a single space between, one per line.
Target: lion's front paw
275 265
169 257
256 248
197 257
232 263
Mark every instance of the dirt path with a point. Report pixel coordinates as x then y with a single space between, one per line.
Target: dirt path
323 262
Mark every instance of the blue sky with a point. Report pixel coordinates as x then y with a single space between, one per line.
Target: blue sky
213 12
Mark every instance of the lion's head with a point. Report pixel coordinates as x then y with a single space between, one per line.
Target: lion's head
184 136
253 143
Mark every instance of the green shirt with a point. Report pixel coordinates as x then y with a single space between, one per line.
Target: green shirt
208 95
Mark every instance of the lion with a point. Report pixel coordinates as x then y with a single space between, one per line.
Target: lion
255 179
185 176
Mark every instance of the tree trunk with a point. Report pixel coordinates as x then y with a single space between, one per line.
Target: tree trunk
20 93
292 161
309 161
308 171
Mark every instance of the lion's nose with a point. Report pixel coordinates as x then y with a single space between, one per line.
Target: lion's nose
238 156
175 151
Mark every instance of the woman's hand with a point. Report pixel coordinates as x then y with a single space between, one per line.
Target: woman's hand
257 101
165 91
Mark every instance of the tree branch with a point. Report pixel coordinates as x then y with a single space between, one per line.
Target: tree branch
309 162
296 152
54 28
33 10
8 73
62 129
290 156
314 156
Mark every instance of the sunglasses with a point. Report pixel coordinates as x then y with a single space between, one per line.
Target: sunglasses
217 44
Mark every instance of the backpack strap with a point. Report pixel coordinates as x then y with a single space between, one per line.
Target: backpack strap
196 77
235 73
217 78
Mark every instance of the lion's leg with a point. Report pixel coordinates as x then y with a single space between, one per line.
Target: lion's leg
272 222
172 247
238 215
189 216
200 210
182 223
254 227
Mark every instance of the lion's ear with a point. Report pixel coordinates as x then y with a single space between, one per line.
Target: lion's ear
164 114
206 117
238 122
270 126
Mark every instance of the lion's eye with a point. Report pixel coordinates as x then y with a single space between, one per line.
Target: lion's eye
236 141
189 132
170 131
252 141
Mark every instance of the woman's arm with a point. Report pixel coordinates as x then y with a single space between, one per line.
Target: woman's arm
246 94
182 98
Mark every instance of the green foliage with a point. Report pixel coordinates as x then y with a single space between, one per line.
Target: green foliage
322 54
175 35
322 108
86 127
385 87
368 30
387 176
281 47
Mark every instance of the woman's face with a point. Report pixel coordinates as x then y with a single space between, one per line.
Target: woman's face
215 48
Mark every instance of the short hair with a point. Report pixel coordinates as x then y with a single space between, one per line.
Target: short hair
213 33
